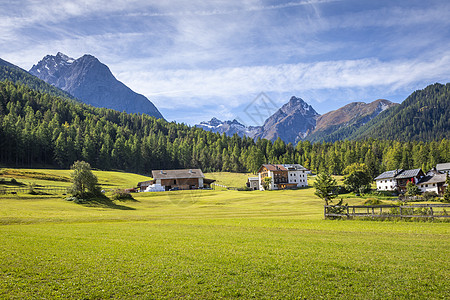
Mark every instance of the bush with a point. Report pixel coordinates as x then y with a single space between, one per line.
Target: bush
122 195
76 200
427 196
341 190
372 201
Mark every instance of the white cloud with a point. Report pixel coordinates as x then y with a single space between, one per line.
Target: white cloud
232 83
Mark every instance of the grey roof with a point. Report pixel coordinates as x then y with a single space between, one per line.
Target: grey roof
175 174
445 166
253 178
388 174
408 173
296 167
439 178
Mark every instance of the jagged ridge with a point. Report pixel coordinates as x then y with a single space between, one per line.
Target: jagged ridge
92 82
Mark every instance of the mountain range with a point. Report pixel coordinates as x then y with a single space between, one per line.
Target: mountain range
91 81
424 115
296 120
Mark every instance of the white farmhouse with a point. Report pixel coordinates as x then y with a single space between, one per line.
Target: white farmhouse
433 183
284 176
386 181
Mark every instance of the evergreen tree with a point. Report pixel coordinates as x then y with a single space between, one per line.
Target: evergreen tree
325 187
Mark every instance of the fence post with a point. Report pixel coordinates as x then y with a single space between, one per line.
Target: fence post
348 214
401 217
324 211
432 214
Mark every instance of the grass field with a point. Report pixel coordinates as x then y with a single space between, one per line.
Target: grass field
213 244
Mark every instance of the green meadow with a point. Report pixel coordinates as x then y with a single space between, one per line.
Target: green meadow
208 244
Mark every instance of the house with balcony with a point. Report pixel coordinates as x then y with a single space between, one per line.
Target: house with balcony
396 180
283 176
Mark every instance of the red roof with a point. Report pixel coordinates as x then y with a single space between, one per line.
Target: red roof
272 167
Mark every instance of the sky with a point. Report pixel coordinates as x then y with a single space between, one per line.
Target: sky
199 59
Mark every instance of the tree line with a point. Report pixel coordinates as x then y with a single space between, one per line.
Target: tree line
38 129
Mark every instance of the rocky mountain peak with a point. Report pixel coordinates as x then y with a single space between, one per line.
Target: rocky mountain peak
92 82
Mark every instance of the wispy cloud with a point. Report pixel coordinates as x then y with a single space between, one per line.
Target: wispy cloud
230 83
219 53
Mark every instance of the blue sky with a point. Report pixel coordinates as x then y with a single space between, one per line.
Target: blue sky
201 59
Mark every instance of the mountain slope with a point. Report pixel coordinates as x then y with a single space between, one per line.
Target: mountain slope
423 116
13 73
292 122
92 82
339 124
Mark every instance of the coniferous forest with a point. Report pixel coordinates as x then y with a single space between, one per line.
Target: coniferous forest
38 129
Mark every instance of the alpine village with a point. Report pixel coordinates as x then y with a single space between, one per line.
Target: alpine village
104 194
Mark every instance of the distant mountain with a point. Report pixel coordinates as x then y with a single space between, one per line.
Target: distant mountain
92 82
341 123
292 122
11 72
423 116
228 127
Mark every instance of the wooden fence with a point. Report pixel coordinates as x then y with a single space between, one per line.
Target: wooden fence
224 186
26 189
387 211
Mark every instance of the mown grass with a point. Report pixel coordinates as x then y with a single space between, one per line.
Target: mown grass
45 177
236 180
214 244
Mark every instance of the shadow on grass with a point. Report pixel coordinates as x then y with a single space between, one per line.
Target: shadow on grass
101 202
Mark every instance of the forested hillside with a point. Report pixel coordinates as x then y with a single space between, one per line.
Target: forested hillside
39 129
15 74
423 116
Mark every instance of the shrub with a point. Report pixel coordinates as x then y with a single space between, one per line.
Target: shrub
122 195
372 201
427 196
75 200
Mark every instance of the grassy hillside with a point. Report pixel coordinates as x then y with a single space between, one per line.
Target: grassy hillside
213 244
46 177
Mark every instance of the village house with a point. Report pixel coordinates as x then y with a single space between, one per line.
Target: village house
433 183
184 179
253 183
396 180
443 168
386 181
283 176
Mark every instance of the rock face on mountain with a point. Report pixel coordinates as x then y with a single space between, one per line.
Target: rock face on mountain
92 82
292 122
296 120
15 74
228 127
341 123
